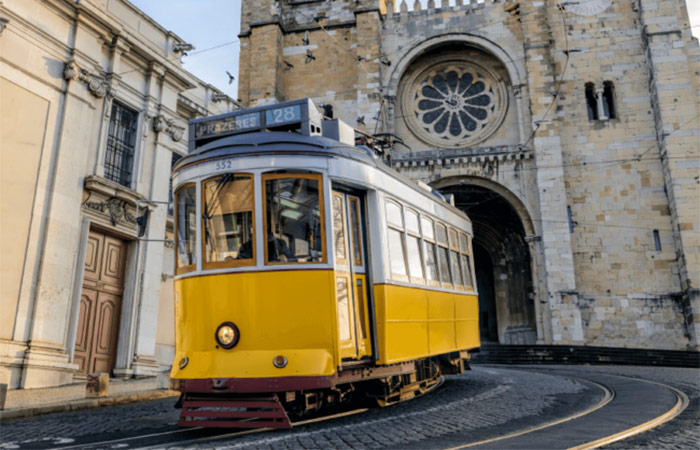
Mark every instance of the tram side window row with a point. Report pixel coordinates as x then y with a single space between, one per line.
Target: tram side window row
423 250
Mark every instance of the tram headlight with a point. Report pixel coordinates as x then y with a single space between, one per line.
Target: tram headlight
227 335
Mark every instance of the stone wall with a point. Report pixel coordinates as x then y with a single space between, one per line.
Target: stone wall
609 204
63 65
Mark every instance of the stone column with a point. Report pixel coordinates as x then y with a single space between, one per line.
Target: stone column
674 96
558 269
370 101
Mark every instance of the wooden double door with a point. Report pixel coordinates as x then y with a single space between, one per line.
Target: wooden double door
100 303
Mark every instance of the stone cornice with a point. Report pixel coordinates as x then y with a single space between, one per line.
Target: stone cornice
477 155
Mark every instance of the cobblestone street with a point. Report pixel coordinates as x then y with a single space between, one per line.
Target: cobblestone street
481 404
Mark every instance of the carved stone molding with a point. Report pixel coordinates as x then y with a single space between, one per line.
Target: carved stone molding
110 204
217 97
160 123
97 85
3 24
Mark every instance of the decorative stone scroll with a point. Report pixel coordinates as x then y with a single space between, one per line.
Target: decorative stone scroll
454 103
97 85
160 123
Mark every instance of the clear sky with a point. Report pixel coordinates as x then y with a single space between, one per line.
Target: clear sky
205 24
212 26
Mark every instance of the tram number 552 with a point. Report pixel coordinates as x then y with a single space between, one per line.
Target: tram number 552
223 165
283 115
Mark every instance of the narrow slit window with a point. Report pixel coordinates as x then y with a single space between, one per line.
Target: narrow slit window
657 241
609 100
571 221
591 102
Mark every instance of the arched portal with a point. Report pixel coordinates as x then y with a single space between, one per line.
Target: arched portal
503 263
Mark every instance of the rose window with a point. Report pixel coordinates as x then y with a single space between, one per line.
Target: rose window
454 104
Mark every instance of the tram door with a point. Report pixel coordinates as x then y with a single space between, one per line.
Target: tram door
350 276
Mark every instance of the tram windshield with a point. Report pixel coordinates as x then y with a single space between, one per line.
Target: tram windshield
227 218
293 218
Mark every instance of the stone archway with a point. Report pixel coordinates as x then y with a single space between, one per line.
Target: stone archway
503 261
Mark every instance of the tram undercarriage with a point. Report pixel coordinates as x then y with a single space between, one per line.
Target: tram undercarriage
217 403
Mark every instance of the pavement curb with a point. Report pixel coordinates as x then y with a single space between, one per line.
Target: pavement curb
84 403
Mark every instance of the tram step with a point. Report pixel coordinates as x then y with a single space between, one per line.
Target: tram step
228 412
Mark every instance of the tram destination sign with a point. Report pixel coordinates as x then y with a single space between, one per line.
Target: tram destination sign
300 116
226 125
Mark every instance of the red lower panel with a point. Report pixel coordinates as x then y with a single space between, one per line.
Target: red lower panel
228 412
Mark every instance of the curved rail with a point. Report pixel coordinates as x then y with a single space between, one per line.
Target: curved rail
680 405
608 396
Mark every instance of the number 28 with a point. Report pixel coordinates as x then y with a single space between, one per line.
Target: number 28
284 115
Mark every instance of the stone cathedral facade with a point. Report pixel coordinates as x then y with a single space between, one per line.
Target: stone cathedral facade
568 131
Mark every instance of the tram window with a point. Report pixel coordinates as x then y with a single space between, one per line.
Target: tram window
397 250
415 266
431 269
444 260
227 220
186 228
467 270
454 259
393 214
411 221
465 260
462 243
293 219
396 253
456 271
341 255
356 230
442 234
427 228
413 247
443 255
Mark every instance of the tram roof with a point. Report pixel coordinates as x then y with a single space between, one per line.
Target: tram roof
277 142
290 143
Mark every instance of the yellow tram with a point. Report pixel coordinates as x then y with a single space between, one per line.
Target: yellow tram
308 272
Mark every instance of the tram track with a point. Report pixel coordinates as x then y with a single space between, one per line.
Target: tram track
142 442
632 405
214 435
523 438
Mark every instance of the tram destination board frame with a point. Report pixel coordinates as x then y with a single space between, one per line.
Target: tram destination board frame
300 116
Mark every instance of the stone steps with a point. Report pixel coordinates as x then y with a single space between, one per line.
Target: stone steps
565 354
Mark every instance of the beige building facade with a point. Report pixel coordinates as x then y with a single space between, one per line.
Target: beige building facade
568 131
95 105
